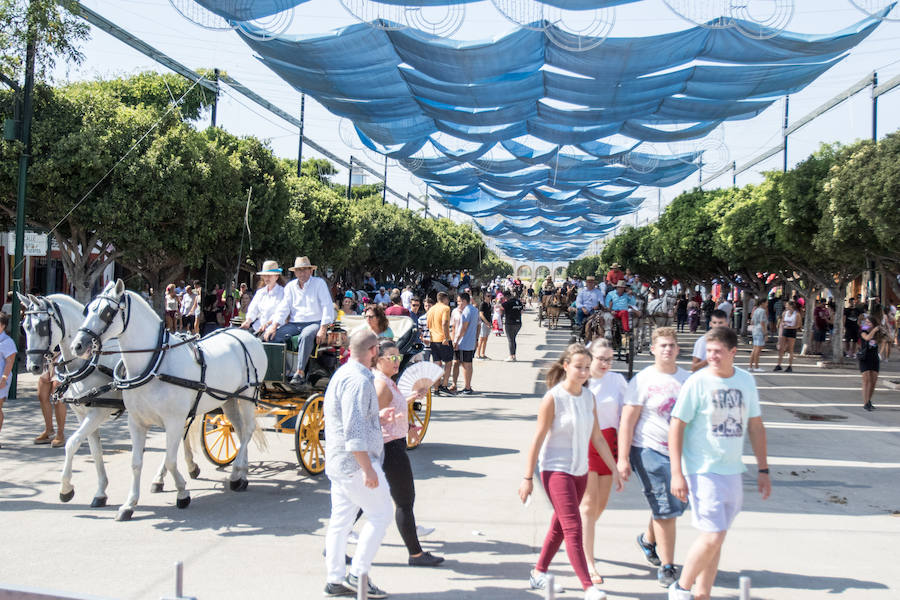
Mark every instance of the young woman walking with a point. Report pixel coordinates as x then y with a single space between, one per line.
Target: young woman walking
608 388
869 361
788 324
567 423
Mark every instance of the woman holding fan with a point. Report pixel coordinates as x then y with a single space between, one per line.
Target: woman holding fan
397 469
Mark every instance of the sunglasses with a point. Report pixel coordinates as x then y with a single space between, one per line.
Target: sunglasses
370 316
603 360
392 357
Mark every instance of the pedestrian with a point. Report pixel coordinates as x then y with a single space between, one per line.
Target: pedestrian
464 332
196 311
608 388
306 310
717 319
759 321
415 308
265 301
438 322
353 457
644 448
681 312
727 307
348 305
822 320
717 409
422 326
693 310
8 352
46 385
188 302
172 308
708 307
512 314
887 334
395 428
382 297
378 322
869 362
497 315
484 328
396 307
566 425
406 297
787 335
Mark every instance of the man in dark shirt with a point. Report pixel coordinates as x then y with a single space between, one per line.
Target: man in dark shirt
821 322
512 312
851 328
484 327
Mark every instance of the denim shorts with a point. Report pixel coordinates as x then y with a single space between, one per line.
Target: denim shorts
654 470
715 500
759 339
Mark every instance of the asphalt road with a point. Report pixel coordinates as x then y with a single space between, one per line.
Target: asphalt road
831 526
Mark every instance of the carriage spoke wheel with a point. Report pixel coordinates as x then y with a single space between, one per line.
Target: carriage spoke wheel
220 445
419 416
309 435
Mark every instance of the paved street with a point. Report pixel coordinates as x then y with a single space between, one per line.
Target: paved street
831 526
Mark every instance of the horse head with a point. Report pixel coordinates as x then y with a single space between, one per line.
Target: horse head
39 332
101 320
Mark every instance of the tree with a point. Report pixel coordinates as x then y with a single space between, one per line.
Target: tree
492 266
56 29
583 267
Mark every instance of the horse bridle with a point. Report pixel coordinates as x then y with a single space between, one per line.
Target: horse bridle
107 315
51 310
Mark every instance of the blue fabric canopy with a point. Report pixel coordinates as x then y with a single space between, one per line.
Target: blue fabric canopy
516 127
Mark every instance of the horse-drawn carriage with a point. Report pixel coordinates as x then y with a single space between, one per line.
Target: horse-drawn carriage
302 415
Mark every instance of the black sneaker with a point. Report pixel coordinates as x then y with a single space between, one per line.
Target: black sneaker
667 575
445 390
467 392
338 590
869 406
426 559
777 368
352 582
649 551
789 370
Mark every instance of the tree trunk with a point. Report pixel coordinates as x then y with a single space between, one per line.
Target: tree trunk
837 350
808 320
81 267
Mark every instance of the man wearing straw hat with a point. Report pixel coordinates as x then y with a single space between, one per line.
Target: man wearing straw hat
306 310
266 299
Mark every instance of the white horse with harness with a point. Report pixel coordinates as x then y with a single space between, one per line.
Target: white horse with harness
85 384
164 379
661 309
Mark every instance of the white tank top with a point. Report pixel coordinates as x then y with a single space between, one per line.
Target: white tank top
566 446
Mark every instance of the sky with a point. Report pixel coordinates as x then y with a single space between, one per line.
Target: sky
159 23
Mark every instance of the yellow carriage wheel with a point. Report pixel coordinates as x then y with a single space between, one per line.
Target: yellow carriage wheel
419 416
220 444
309 435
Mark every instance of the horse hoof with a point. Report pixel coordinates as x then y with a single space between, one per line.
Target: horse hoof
234 484
195 473
183 502
124 514
156 488
98 502
67 496
243 484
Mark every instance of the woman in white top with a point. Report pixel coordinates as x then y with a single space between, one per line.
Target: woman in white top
609 393
567 424
266 299
788 325
173 316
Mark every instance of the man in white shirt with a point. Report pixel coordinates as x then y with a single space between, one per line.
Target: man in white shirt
726 307
644 447
307 310
382 297
717 318
405 297
587 300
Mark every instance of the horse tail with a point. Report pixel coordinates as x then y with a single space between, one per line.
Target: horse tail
259 436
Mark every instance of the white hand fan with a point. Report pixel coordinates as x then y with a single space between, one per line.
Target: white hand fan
419 376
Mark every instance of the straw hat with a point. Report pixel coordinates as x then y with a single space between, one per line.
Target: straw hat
270 267
590 278
302 262
614 266
621 283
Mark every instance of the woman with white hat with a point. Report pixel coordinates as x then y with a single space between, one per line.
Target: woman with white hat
266 299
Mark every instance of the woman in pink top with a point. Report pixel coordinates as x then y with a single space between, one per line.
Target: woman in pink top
397 469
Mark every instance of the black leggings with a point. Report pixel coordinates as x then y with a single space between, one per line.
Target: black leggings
398 472
512 330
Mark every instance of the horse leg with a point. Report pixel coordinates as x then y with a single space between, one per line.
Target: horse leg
138 442
243 415
174 431
96 446
66 489
192 466
159 480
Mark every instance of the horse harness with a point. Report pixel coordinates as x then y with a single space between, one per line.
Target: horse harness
164 344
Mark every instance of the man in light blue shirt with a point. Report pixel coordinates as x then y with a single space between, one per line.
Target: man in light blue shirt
464 331
587 301
354 449
619 302
716 410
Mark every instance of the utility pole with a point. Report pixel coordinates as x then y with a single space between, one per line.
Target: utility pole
384 189
874 108
787 103
300 149
215 105
25 138
350 178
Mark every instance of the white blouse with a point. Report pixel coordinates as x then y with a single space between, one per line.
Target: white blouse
262 307
609 395
566 446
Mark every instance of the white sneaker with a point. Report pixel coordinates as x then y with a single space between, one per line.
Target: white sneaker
594 593
538 581
424 531
676 593
511 359
353 538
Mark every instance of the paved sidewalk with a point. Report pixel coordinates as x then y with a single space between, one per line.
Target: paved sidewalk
831 526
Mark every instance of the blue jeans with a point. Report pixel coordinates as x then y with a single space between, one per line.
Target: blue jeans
580 316
307 332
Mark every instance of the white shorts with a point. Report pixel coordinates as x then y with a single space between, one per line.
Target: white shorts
485 330
715 500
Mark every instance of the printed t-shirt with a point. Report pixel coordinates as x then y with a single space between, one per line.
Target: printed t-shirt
609 394
656 393
512 309
716 412
437 316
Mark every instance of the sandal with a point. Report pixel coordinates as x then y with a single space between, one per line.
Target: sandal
58 443
596 578
44 438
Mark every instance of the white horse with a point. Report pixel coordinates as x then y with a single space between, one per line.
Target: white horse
49 324
661 309
165 380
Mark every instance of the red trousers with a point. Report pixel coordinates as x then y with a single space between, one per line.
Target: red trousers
565 492
623 316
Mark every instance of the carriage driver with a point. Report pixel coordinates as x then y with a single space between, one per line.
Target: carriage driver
620 302
307 310
587 301
266 299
